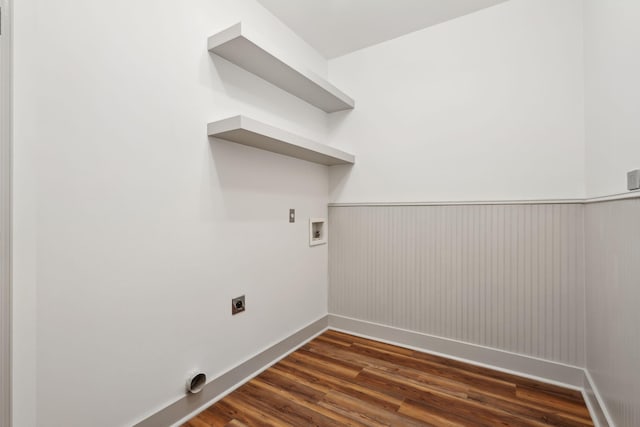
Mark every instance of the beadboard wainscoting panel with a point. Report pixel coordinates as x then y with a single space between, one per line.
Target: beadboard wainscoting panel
510 277
613 298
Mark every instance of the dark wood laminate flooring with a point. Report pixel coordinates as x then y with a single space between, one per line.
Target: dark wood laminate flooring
343 380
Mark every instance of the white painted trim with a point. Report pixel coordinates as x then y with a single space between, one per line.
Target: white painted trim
463 203
247 131
190 405
597 407
6 99
610 198
613 197
517 364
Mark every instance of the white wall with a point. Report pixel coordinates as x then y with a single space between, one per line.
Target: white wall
133 229
24 203
612 66
612 92
487 106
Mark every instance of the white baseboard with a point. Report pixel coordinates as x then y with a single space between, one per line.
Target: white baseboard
530 367
595 403
538 369
190 405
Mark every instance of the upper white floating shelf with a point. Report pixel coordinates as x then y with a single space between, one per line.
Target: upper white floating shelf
233 45
246 131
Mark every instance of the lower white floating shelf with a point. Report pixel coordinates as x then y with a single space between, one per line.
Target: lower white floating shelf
246 131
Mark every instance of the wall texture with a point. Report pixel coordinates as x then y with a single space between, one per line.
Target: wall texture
611 40
503 276
134 230
5 216
613 298
488 106
24 227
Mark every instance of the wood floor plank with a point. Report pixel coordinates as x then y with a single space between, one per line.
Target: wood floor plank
437 369
197 422
465 409
352 339
310 378
436 381
359 391
562 392
364 411
277 407
527 410
328 339
372 358
313 406
292 388
342 380
558 404
248 415
214 418
326 364
439 417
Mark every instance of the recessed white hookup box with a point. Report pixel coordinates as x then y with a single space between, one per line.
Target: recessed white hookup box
317 231
633 180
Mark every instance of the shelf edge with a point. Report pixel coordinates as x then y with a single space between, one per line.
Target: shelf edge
222 40
244 130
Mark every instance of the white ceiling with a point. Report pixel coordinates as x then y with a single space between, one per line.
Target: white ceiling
337 27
